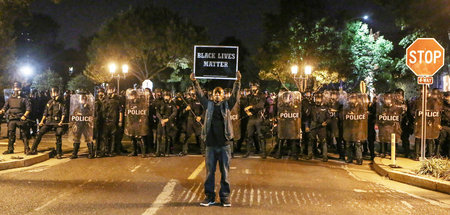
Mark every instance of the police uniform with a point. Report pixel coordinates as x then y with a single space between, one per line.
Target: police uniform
165 134
255 122
16 106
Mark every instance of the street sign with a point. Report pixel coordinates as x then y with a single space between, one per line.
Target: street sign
425 56
216 62
425 80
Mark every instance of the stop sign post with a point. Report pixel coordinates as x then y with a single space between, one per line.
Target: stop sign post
425 56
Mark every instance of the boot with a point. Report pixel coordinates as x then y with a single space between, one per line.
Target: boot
262 141
142 145
59 154
185 147
134 150
324 150
26 144
91 150
76 147
249 146
11 140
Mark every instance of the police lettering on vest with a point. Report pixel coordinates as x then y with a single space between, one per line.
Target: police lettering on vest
234 117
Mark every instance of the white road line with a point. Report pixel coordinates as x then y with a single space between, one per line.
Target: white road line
164 197
244 197
135 168
284 197
359 191
197 171
271 199
189 192
238 194
276 197
194 194
259 197
181 195
296 199
251 197
433 202
407 204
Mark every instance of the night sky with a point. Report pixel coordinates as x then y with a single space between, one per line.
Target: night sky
240 18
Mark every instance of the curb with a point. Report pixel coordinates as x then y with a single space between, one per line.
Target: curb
25 162
406 178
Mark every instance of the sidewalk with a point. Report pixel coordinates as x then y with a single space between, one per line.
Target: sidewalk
45 149
406 174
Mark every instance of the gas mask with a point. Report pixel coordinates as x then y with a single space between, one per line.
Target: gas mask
254 90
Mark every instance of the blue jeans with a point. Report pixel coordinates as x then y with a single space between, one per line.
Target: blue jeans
222 154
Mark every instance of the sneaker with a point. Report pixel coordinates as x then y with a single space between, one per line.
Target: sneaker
225 202
207 202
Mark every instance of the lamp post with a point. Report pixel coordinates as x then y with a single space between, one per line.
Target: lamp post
112 69
301 80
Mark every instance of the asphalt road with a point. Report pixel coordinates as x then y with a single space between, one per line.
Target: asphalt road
174 185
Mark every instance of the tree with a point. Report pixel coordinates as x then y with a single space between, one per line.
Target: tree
315 44
369 56
80 82
151 40
47 80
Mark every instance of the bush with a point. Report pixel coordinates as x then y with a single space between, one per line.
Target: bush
437 167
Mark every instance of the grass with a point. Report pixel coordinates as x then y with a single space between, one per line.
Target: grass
436 167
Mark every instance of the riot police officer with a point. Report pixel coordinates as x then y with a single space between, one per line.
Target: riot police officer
306 125
166 112
355 117
53 119
137 123
98 119
444 137
193 123
113 119
81 120
18 109
255 112
319 122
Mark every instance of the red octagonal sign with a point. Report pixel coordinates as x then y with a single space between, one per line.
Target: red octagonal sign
425 56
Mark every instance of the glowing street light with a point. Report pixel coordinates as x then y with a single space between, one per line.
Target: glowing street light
125 68
308 70
112 68
365 17
294 69
26 70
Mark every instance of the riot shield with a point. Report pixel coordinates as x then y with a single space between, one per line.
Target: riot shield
7 94
433 116
236 121
333 109
355 117
289 115
81 117
389 117
137 113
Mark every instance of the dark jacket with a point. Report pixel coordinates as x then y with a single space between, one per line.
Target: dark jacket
225 107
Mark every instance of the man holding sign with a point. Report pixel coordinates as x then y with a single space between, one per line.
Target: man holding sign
217 132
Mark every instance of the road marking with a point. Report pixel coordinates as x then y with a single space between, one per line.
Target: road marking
197 171
433 202
407 204
164 197
135 168
238 194
189 192
251 197
284 197
195 193
276 197
259 197
296 198
244 197
359 191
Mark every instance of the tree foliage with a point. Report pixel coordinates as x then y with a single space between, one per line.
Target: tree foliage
47 80
369 56
149 39
80 82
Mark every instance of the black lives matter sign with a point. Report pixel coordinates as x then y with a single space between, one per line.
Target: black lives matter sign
216 62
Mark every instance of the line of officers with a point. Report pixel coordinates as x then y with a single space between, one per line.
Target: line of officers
300 125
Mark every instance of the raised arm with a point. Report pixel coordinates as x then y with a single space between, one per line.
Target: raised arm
236 91
199 92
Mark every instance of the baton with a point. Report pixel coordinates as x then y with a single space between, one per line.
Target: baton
191 111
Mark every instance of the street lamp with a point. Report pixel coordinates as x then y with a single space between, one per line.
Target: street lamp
112 69
308 70
365 17
294 70
26 71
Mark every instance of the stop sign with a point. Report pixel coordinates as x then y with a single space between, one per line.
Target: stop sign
425 56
